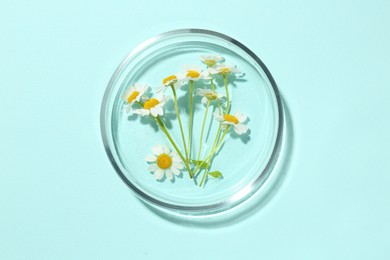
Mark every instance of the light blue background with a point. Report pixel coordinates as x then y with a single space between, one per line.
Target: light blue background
61 199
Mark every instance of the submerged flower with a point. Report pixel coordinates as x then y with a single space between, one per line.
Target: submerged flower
164 162
211 60
209 95
133 94
225 70
153 106
237 121
175 80
194 73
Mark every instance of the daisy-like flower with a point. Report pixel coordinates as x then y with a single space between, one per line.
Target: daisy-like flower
133 94
225 69
194 73
237 121
211 60
209 95
175 80
164 162
153 106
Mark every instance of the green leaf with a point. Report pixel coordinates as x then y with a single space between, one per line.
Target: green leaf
216 174
201 164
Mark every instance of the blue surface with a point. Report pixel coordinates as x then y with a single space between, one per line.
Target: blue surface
61 199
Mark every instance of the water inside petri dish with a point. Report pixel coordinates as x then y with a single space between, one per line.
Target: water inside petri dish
241 159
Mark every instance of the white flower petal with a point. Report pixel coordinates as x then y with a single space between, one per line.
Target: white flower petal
152 167
127 108
153 111
178 84
213 71
158 149
161 89
204 100
158 174
175 171
169 174
159 110
128 93
218 117
142 112
240 128
241 117
166 149
176 158
177 165
159 96
151 158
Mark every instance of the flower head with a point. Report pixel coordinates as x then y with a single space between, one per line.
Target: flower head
211 60
153 106
237 121
164 162
133 94
225 70
175 80
209 95
194 73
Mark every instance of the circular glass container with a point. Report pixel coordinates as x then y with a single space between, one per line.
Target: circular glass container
246 161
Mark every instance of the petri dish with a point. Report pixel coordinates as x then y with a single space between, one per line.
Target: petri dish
245 161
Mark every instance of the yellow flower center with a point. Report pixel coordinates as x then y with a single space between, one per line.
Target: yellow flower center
209 63
224 71
151 103
193 74
132 96
164 161
169 78
231 118
211 96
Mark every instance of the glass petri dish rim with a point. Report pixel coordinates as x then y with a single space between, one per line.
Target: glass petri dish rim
204 210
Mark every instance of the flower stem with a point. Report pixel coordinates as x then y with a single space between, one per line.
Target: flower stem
219 128
198 167
203 124
227 94
180 124
203 178
165 130
213 89
209 158
191 117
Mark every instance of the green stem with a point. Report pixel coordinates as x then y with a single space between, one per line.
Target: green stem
201 133
191 117
213 89
227 94
180 124
203 177
198 167
209 158
164 129
214 149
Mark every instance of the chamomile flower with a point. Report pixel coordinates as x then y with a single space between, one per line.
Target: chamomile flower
194 73
175 80
211 60
225 70
209 95
236 121
164 162
133 94
153 106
